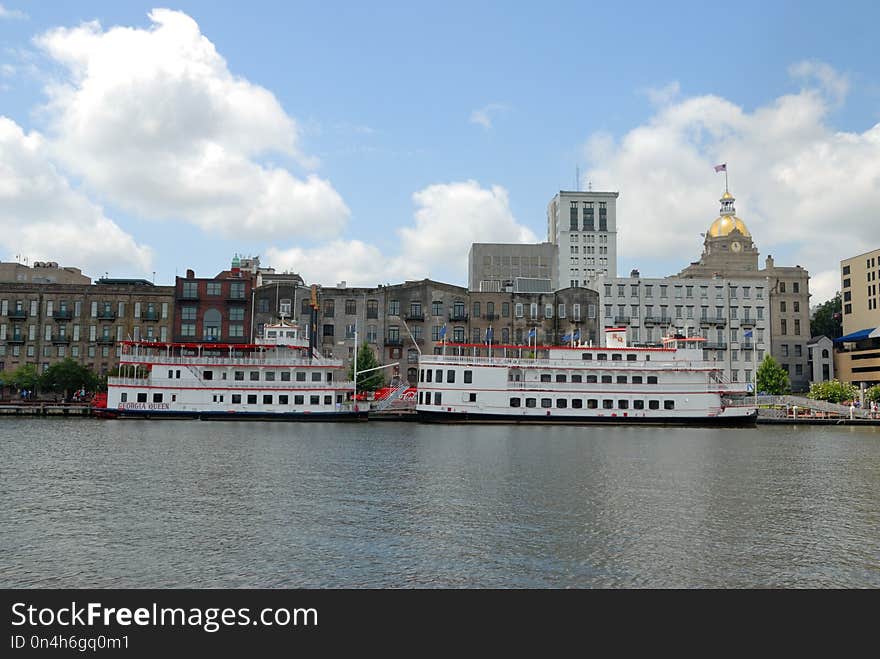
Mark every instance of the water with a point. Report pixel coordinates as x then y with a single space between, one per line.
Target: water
90 503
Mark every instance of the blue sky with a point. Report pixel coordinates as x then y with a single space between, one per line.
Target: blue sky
385 99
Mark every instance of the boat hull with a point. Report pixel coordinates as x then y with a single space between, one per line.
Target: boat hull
743 420
233 416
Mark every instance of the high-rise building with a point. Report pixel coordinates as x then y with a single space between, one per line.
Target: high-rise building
496 267
857 357
583 227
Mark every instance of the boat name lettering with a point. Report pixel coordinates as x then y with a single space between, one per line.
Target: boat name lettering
144 406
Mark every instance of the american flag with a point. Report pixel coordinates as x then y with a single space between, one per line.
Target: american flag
721 168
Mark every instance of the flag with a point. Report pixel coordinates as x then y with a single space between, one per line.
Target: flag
443 332
566 338
533 332
577 335
489 335
721 168
747 334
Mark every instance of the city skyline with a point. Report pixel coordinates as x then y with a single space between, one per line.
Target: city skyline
355 145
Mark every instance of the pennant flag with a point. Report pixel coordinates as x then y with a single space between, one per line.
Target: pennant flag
747 334
721 168
577 335
443 332
566 338
489 335
533 333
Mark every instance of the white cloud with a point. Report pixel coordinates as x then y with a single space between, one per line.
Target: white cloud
835 84
802 187
448 218
663 95
11 14
483 116
153 120
42 217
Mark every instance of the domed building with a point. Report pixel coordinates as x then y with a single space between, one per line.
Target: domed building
728 245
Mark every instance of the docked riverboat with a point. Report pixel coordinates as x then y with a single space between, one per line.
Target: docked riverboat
281 377
671 384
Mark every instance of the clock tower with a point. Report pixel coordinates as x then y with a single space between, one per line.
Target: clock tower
728 246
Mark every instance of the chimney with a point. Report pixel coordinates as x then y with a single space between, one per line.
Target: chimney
634 274
769 263
190 274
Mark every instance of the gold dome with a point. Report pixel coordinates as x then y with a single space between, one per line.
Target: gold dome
727 195
725 224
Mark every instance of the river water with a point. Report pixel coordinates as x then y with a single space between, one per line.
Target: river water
91 503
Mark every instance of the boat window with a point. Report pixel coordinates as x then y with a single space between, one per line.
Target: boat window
588 356
270 376
577 403
208 375
421 397
282 399
437 398
647 358
239 375
531 402
177 374
621 379
438 377
285 376
472 398
123 397
602 356
545 377
468 377
606 379
577 378
515 402
668 404
329 376
616 357
653 404
157 398
142 398
639 404
607 404
631 358
637 379
170 374
314 400
591 379
561 378
652 379
561 403
592 404
267 399
254 376
450 376
430 374
236 399
546 402
421 375
300 376
328 400
252 399
223 375
623 404
316 376
298 400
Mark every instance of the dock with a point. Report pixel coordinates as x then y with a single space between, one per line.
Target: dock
45 409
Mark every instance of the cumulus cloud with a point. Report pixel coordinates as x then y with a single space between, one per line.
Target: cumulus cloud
11 14
43 217
447 219
154 121
802 187
483 116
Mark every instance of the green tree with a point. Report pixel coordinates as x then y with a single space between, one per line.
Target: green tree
828 319
67 376
772 378
834 391
873 394
367 360
24 377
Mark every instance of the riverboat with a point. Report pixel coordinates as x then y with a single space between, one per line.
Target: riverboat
281 377
671 384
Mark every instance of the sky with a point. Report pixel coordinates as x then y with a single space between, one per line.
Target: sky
374 142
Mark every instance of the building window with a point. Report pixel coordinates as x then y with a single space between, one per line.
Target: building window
372 308
350 307
213 288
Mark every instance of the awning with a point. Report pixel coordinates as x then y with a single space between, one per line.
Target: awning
870 333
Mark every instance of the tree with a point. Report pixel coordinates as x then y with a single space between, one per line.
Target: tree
67 376
834 391
24 377
367 360
828 319
772 378
872 395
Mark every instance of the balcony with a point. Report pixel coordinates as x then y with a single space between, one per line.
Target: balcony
62 314
393 341
491 316
718 321
458 317
150 315
236 299
715 346
747 345
658 320
748 322
188 295
418 317
106 340
60 338
105 314
17 314
15 339
622 320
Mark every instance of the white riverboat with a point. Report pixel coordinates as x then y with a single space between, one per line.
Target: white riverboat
279 378
671 384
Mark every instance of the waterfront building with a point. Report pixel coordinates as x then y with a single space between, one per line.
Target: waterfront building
583 227
733 315
42 323
820 359
730 253
857 354
513 266
215 309
41 272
